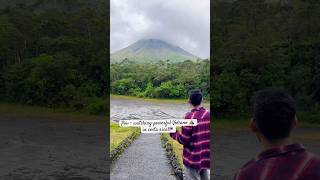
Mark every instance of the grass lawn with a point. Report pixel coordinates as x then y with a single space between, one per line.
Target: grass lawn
177 147
8 110
118 134
309 118
230 125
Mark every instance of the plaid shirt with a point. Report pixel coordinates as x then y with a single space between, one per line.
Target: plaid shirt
283 163
196 140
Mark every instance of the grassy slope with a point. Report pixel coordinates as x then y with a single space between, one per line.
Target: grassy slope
118 134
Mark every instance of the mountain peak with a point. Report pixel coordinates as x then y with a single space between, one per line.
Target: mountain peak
154 41
152 50
151 40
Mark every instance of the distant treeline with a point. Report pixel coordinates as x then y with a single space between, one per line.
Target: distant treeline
258 44
160 80
55 57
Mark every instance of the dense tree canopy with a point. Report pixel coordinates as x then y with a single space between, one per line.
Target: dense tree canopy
258 44
53 53
160 80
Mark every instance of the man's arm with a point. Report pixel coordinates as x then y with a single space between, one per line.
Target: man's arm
184 136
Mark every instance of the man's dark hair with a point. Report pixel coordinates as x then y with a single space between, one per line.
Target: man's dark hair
195 97
274 113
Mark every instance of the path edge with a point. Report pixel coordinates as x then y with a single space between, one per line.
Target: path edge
116 152
176 166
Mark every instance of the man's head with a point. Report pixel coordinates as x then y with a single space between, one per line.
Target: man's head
274 114
195 97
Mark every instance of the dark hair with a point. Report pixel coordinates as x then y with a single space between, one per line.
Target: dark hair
274 113
195 97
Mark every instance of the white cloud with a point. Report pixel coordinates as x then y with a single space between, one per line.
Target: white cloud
185 23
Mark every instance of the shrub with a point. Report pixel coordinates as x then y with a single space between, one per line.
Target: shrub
168 90
149 91
96 105
124 86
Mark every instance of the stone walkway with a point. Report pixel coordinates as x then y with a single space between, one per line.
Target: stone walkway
144 159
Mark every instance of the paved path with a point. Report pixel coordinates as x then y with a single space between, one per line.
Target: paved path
144 159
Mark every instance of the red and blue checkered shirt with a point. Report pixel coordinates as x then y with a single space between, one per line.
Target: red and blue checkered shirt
291 162
196 140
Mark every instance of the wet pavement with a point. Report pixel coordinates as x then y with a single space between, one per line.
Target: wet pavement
144 159
52 149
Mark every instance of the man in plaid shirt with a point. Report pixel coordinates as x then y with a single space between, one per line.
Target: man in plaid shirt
274 118
196 140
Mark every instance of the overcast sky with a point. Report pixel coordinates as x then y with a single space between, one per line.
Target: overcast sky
185 23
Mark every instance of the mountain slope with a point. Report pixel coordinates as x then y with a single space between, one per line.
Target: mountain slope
152 50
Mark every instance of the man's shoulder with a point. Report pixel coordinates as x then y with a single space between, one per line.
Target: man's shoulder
309 165
246 170
205 109
248 165
203 113
188 114
312 167
206 116
314 158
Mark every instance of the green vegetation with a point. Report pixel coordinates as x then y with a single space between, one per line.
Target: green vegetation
53 54
177 148
12 111
148 99
118 134
259 44
160 80
240 122
232 122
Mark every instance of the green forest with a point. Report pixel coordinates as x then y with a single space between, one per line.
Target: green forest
258 44
160 80
54 54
